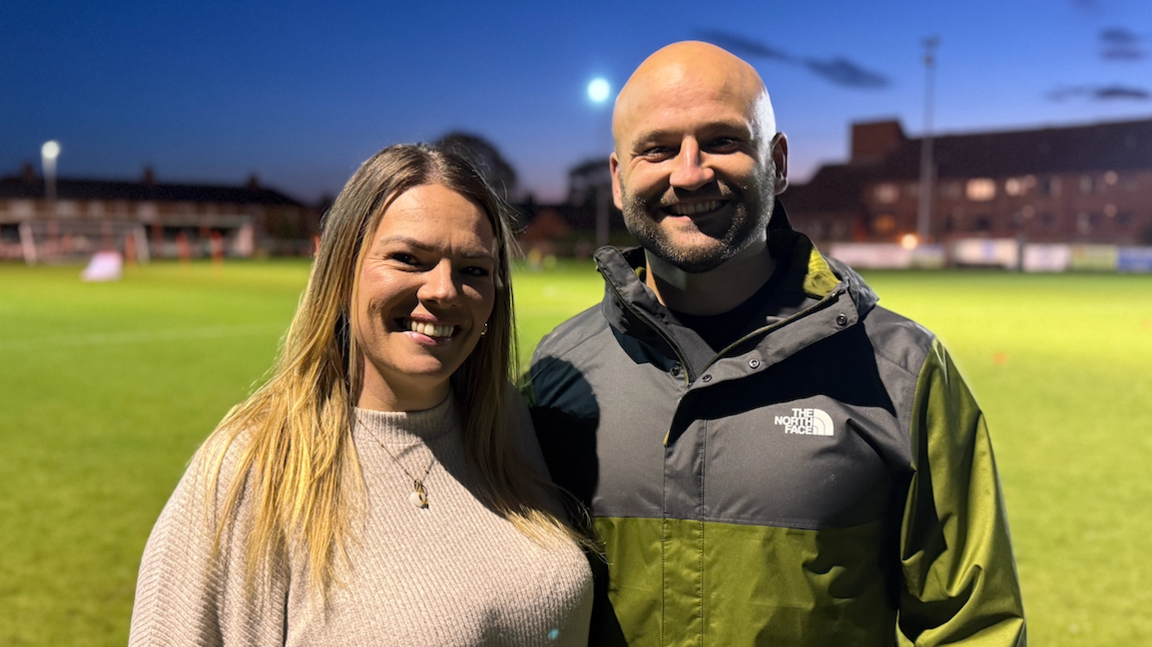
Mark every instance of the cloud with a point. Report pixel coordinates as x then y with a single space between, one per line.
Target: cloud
746 45
845 72
838 70
1120 44
1100 93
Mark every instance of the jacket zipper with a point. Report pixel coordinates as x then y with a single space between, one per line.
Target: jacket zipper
656 329
820 305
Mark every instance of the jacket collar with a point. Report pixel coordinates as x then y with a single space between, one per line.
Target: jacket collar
810 275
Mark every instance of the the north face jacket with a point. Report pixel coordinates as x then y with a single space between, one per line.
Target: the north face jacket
828 479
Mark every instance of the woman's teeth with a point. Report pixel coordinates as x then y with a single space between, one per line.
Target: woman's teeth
431 330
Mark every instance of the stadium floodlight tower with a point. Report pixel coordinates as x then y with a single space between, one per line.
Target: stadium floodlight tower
598 92
48 154
927 164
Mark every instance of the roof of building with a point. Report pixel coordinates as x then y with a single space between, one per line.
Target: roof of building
67 189
1099 147
835 188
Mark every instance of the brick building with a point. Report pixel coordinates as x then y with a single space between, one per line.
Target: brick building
87 215
1081 184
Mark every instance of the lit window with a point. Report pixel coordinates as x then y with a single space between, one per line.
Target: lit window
887 193
884 224
981 189
1110 178
1014 186
1110 210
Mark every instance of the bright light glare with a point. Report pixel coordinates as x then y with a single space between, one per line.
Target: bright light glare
598 90
909 241
50 149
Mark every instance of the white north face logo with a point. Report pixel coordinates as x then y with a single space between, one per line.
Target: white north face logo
808 422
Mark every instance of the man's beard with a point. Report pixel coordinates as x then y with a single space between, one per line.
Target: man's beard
752 210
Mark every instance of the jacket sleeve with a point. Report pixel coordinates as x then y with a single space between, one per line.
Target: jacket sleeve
960 582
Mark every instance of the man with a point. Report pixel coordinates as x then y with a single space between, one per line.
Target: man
768 456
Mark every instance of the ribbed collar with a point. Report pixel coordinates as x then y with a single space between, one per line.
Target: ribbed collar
407 427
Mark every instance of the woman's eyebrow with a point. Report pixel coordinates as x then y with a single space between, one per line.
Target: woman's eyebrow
473 253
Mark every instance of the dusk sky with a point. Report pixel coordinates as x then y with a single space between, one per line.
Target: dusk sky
300 93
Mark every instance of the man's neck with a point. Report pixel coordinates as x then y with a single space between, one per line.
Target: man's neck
715 291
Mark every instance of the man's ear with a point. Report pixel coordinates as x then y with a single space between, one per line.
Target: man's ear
613 166
780 163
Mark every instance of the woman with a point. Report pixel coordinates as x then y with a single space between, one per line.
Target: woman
380 488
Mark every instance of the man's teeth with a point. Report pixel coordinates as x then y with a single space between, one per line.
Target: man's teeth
431 330
691 209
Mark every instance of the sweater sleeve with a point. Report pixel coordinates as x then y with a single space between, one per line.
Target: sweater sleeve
960 582
185 594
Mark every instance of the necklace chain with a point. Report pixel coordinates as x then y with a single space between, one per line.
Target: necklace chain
419 496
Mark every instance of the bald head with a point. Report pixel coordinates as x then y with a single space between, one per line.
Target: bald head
685 71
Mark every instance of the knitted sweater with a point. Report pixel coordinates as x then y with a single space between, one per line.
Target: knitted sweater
454 573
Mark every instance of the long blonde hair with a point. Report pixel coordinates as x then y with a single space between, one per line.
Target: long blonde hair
297 461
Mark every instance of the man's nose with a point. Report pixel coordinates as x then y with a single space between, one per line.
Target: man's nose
691 170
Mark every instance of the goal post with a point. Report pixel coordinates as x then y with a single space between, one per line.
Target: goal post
75 241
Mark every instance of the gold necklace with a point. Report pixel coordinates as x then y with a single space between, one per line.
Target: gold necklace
419 496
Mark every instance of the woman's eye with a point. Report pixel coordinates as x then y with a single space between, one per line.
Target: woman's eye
477 271
401 257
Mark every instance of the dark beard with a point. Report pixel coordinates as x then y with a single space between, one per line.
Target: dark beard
753 209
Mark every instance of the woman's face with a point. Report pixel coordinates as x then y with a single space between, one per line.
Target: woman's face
424 292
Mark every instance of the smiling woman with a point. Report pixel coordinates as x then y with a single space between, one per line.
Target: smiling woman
423 296
385 486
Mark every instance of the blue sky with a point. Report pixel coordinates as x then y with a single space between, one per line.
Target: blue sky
300 93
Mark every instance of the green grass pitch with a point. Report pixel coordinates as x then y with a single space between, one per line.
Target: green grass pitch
107 389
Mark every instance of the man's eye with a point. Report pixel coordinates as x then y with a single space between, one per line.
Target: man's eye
723 144
656 152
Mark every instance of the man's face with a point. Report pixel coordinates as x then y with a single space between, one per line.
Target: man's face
694 175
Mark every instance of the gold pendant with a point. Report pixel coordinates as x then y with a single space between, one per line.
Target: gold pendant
419 496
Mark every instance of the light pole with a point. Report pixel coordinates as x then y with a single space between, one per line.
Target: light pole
598 92
48 154
927 166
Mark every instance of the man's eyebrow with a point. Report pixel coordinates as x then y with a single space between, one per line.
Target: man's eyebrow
656 134
477 253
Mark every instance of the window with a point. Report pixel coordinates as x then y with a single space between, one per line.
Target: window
1048 186
1083 222
1016 186
1087 184
951 190
981 189
886 193
884 224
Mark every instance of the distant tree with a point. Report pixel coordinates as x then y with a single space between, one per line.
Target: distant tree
488 160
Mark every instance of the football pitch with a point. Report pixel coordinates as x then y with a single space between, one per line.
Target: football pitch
107 389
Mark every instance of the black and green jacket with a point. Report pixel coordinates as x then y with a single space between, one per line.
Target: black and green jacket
826 480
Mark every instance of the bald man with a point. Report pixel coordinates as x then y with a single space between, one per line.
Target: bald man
769 457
